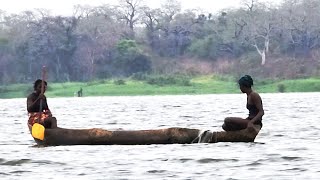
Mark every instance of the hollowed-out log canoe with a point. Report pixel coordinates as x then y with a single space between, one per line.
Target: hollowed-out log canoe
97 136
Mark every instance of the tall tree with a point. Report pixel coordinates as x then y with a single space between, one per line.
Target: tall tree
261 22
151 21
130 11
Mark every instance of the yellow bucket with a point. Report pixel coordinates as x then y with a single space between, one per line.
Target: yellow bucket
38 131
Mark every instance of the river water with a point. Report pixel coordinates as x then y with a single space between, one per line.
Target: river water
287 147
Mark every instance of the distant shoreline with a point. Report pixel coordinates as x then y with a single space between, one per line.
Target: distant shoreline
192 86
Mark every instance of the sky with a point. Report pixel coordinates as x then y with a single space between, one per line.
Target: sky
65 7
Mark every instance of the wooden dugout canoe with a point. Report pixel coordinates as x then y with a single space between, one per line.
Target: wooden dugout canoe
95 136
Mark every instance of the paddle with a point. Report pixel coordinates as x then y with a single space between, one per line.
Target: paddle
37 128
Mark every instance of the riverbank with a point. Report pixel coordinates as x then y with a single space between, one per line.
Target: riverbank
161 86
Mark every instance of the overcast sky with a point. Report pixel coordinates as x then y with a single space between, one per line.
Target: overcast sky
65 7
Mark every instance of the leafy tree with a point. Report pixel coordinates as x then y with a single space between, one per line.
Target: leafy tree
130 59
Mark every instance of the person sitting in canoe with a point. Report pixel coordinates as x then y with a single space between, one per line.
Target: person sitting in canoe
38 108
254 105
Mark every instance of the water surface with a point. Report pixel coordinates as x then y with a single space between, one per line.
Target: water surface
287 147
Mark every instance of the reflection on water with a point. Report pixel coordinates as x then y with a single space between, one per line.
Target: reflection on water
286 147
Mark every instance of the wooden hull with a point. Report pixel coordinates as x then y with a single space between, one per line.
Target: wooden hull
62 136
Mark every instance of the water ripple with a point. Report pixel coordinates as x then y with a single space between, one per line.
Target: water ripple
291 158
157 171
210 160
295 169
47 162
15 162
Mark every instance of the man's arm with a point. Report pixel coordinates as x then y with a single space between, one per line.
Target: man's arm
258 103
31 101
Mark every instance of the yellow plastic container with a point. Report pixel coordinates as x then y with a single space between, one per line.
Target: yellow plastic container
38 131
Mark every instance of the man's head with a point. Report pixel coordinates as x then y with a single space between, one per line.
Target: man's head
245 82
37 85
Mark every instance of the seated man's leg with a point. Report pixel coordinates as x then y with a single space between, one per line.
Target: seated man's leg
234 124
50 122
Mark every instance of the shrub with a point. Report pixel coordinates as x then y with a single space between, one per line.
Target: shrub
281 88
139 76
119 82
169 80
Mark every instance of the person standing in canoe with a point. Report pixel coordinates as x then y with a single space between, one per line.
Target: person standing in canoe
39 111
254 105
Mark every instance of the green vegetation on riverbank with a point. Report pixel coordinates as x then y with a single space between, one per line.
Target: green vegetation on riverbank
162 85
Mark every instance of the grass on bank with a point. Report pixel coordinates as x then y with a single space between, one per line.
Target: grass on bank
161 86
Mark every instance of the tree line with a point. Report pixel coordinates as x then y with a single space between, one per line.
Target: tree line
120 41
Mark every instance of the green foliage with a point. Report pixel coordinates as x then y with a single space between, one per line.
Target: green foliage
128 48
302 85
262 82
281 88
130 59
162 85
169 80
227 78
139 76
205 48
4 90
92 83
15 90
119 82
